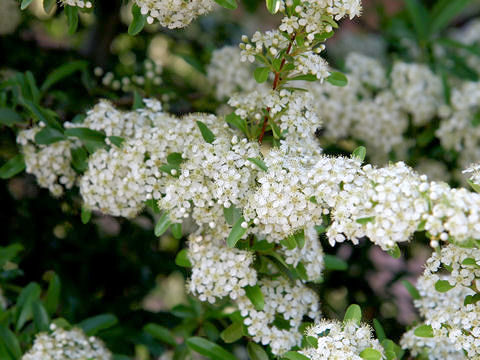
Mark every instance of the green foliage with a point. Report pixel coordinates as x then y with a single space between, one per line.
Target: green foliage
353 313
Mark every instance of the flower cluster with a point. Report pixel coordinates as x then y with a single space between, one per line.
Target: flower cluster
445 288
432 348
336 340
218 272
174 13
228 74
284 302
10 16
78 3
60 344
51 164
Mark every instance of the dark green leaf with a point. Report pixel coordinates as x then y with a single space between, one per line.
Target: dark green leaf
137 101
256 352
419 17
337 79
232 333
334 263
86 215
365 220
211 331
206 133
42 115
160 333
209 349
182 259
10 343
7 253
443 286
177 230
53 294
48 136
353 313
307 77
79 159
27 296
62 72
236 121
9 117
175 158
162 225
379 330
259 163
116 140
444 12
86 134
93 325
273 6
40 316
48 5
254 293
412 290
138 21
395 252
293 355
228 4
424 331
72 18
261 74
236 233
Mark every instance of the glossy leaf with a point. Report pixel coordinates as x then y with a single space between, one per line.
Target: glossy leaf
256 352
206 132
254 293
138 21
424 331
162 225
93 325
236 233
160 333
209 349
353 313
12 167
337 79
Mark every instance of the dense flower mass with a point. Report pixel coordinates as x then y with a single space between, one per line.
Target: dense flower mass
174 13
60 344
336 340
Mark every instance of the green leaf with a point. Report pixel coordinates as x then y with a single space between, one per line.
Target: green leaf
62 72
236 121
395 252
321 229
353 313
424 331
337 78
7 253
177 230
289 242
379 330
48 136
10 343
160 333
209 349
256 352
40 316
262 245
236 233
72 18
48 5
334 263
86 134
371 354
419 17
412 290
182 259
25 4
86 215
232 214
53 295
206 132
79 159
360 153
228 4
211 331
27 296
12 167
9 117
443 286
93 325
261 74
444 12
311 341
306 77
175 158
254 293
475 187
162 225
116 140
365 220
471 299
137 101
259 163
299 237
232 333
138 21
273 6
392 350
293 355
470 262
42 115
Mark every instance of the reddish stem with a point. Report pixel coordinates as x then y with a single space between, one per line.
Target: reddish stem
274 87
